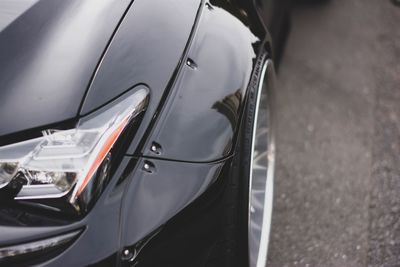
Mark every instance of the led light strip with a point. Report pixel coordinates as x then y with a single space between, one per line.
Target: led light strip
36 246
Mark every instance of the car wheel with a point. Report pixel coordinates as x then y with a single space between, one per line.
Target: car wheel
248 196
259 166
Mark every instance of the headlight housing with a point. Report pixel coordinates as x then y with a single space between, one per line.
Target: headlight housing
63 162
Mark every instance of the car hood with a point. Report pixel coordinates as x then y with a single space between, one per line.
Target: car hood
49 50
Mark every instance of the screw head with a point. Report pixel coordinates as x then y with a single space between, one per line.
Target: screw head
126 252
252 209
146 166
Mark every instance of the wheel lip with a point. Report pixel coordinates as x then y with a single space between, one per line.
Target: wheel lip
267 69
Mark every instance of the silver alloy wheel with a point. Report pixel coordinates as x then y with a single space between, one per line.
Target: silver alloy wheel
262 167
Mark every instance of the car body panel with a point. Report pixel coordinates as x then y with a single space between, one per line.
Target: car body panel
201 115
48 55
10 10
152 198
200 105
146 50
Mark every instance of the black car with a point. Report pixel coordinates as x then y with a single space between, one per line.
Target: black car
137 133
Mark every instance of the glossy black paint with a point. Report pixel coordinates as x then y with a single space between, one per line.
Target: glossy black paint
201 114
192 237
100 237
193 116
47 57
152 198
148 48
135 203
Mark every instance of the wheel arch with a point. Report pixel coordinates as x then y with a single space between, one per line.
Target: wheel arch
200 118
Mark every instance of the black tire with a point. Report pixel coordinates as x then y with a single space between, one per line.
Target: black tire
232 249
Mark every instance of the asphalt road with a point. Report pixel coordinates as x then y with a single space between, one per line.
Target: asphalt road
337 188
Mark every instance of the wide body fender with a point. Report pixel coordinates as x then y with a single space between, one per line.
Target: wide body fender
201 114
190 140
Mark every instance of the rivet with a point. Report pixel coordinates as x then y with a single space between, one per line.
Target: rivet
126 252
156 148
191 63
149 167
252 209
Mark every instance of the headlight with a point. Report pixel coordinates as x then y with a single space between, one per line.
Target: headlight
63 162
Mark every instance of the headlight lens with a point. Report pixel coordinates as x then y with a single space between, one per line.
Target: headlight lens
7 172
64 161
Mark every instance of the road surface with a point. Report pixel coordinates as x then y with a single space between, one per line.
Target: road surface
337 188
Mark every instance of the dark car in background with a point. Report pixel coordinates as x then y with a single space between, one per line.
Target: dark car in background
137 133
